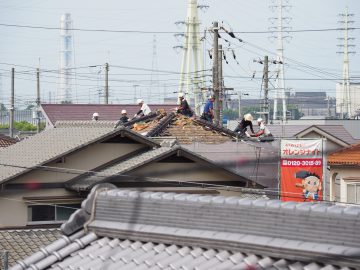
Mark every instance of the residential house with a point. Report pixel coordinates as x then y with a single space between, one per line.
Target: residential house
344 167
121 229
83 112
44 179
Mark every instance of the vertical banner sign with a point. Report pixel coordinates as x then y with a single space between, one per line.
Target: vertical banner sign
301 166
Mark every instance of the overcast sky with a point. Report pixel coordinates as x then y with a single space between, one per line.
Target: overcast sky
308 55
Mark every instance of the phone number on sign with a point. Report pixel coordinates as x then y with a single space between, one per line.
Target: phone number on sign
299 162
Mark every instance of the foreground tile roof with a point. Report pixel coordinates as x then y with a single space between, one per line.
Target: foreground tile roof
347 156
68 136
83 112
22 243
155 230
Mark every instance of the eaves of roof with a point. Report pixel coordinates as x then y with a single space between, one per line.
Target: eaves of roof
86 182
31 157
324 133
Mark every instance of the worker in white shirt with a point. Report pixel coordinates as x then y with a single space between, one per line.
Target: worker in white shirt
144 109
263 130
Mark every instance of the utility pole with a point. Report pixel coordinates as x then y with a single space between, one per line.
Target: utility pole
106 83
11 110
37 100
221 86
266 89
215 72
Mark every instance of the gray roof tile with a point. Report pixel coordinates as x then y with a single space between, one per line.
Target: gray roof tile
188 232
54 143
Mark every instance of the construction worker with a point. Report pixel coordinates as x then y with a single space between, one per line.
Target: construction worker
184 107
208 113
244 123
123 119
144 109
263 130
95 116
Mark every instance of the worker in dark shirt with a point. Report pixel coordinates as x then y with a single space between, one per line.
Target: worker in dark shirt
184 107
208 113
123 119
244 123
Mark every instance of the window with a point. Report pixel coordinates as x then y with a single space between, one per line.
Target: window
50 213
353 193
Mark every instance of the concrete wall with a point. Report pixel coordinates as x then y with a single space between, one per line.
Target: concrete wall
85 159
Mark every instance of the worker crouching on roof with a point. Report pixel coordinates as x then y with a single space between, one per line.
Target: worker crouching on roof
184 107
208 113
123 119
244 123
144 109
263 132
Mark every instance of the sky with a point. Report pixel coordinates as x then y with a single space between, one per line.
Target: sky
135 60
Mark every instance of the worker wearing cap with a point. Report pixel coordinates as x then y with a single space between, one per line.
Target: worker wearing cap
184 107
144 109
95 116
208 113
244 123
263 130
123 119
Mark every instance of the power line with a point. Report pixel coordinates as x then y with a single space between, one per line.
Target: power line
169 32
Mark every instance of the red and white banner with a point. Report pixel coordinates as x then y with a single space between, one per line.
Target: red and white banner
301 167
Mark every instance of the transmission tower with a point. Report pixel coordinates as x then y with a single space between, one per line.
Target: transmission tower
154 80
66 58
192 66
280 29
346 107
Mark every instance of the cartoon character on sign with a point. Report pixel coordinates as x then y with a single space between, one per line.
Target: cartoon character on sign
310 183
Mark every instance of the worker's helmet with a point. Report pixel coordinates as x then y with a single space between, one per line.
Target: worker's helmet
248 117
181 95
123 112
139 101
212 97
260 120
95 115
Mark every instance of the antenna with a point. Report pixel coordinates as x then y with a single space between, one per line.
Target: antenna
66 60
344 99
280 29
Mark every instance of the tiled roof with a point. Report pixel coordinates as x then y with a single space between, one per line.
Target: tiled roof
75 112
347 156
188 130
54 143
22 243
337 131
6 141
148 230
88 181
